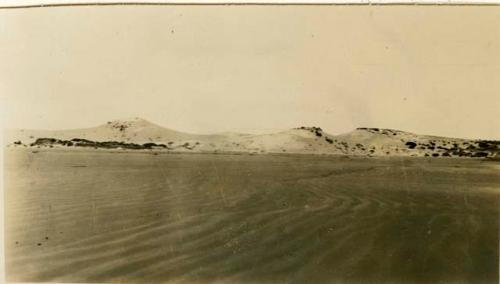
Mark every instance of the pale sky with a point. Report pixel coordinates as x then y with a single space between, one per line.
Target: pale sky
204 69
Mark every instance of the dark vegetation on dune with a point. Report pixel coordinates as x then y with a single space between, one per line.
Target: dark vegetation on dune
313 129
79 142
473 149
380 131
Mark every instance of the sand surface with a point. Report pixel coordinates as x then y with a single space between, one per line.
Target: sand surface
200 218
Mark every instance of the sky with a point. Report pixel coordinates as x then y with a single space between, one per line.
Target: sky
205 69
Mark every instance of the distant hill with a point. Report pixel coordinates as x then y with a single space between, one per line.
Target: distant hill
134 130
139 134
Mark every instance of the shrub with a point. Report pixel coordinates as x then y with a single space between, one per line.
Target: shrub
411 145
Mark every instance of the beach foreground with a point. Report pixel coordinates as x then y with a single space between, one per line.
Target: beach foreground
91 216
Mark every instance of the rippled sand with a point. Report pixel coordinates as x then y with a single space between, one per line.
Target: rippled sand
194 218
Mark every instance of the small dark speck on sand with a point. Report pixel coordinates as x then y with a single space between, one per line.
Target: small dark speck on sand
46 238
17 243
39 244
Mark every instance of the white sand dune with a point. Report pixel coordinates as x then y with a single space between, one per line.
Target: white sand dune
134 130
303 140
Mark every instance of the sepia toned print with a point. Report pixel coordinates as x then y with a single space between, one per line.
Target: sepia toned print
251 143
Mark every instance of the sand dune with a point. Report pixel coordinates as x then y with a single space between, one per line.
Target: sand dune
135 130
135 133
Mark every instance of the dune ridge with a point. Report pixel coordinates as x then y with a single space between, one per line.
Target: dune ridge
140 134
